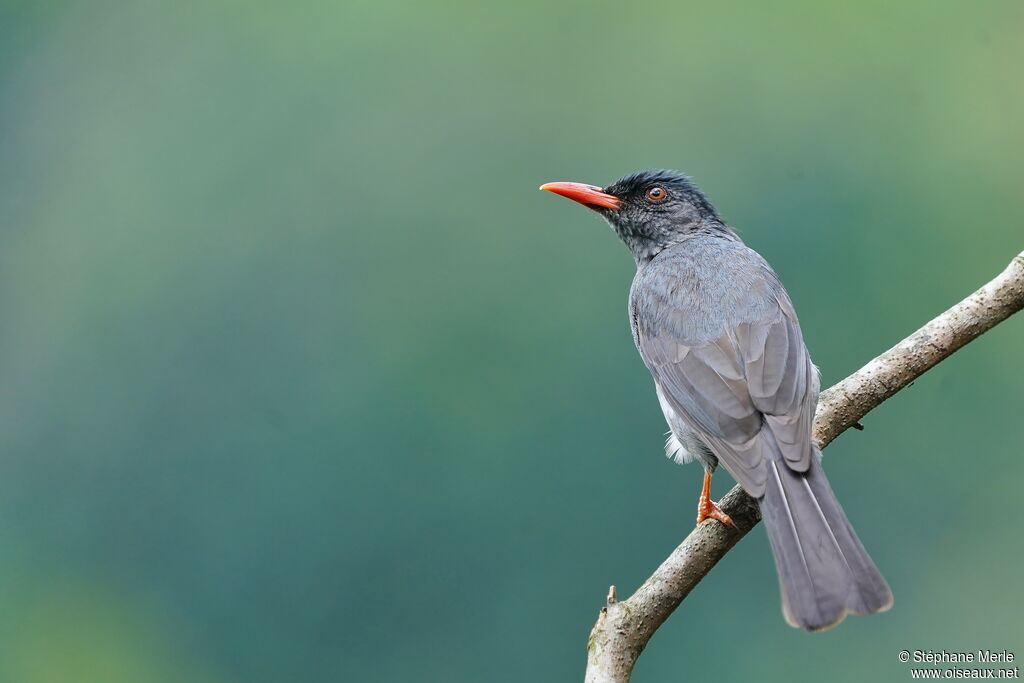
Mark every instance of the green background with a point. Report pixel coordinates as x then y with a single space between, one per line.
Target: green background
304 380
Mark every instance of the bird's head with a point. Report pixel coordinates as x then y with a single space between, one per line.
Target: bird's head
650 210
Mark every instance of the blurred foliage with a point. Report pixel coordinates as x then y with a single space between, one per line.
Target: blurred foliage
304 380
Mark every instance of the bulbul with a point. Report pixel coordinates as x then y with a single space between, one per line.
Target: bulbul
718 332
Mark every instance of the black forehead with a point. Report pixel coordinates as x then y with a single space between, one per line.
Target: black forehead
678 184
642 180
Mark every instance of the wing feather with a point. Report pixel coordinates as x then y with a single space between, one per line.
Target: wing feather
750 393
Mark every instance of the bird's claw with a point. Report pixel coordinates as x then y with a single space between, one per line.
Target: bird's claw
708 509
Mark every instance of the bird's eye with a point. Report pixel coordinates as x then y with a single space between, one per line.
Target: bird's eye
657 194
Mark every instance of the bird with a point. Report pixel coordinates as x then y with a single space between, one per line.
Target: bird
719 334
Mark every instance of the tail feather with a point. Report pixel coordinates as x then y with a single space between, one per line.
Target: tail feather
824 571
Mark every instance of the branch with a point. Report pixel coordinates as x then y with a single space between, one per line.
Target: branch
623 628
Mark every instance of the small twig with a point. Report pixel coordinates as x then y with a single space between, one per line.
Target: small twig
623 628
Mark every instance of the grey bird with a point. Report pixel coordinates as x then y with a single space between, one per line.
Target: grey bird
718 332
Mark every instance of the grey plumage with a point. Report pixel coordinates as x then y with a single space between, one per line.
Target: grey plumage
719 334
824 571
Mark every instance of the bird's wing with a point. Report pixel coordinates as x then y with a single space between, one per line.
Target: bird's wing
750 393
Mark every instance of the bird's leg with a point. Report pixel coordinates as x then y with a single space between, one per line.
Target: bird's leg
707 508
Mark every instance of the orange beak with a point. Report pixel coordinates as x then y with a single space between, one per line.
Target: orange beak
587 195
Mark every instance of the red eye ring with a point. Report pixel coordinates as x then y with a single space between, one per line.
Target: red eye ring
657 194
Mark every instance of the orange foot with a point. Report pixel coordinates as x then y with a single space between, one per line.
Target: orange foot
707 508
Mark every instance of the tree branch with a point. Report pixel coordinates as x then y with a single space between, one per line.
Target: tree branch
623 628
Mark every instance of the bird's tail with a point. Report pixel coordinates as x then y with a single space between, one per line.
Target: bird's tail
824 571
